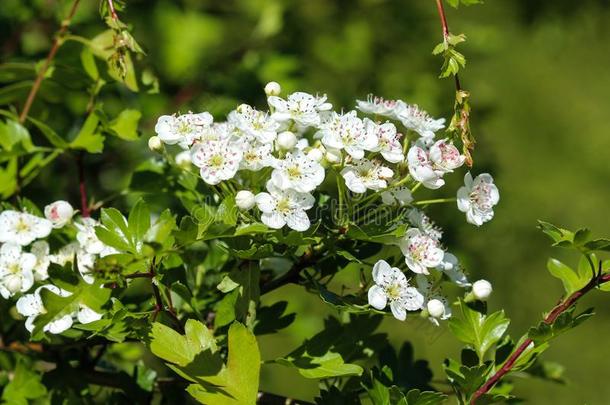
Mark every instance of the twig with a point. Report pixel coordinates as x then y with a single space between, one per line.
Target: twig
82 186
549 319
56 44
113 13
159 306
441 14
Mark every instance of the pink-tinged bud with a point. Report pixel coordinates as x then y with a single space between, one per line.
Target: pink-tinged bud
59 213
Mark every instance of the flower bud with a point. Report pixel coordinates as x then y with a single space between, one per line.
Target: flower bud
244 200
59 213
273 89
481 289
287 140
183 159
333 155
155 144
315 154
436 308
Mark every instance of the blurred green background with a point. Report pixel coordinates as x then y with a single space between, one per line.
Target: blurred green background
538 74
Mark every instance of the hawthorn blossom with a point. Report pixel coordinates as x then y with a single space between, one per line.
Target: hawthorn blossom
15 270
256 156
445 156
59 213
397 196
482 289
216 160
22 228
366 174
419 219
297 171
347 131
284 207
421 251
451 267
303 108
421 168
183 129
420 121
437 306
379 106
40 249
254 124
87 238
391 285
31 306
477 198
388 140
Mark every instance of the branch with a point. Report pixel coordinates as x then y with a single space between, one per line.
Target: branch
113 13
549 319
445 26
56 44
82 186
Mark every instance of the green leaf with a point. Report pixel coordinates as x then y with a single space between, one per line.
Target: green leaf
238 381
138 222
51 136
88 61
25 385
328 365
571 281
173 347
126 124
478 330
544 332
13 133
87 138
561 237
417 397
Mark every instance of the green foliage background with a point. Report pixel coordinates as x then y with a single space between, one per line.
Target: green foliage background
538 76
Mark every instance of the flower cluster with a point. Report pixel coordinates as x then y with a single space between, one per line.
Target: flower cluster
25 257
279 163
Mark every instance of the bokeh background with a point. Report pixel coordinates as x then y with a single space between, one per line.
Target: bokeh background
540 84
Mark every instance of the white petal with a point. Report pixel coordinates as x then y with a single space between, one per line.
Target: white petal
87 315
377 297
298 220
381 270
398 310
265 202
273 220
59 325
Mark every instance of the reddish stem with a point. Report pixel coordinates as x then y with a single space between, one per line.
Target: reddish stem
549 319
56 44
441 14
113 13
82 186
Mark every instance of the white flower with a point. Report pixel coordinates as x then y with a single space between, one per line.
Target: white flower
391 285
397 196
22 228
86 236
182 129
420 220
421 251
297 171
59 213
40 249
422 169
379 106
477 198
333 155
284 207
482 289
15 270
245 200
419 121
183 159
31 306
365 174
438 307
347 131
315 154
388 140
66 254
300 107
451 267
87 315
273 89
86 265
445 156
217 160
286 140
254 124
256 156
